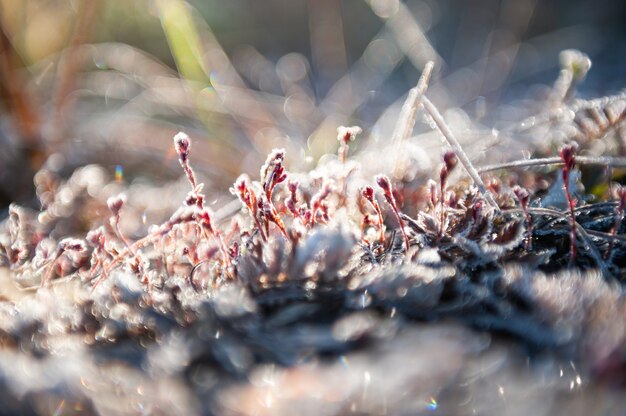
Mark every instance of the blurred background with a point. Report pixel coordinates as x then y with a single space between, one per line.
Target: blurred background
110 82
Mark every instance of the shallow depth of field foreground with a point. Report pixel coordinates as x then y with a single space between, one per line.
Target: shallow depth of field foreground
292 207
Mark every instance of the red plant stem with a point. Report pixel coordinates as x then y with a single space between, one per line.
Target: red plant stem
191 176
442 213
368 193
218 236
343 152
523 198
619 212
572 204
380 222
529 229
121 236
258 225
48 276
568 154
401 222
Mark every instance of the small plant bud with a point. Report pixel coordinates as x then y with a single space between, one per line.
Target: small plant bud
495 186
116 203
71 244
182 143
273 172
319 199
293 186
368 193
522 195
384 184
95 238
568 154
575 61
347 134
204 218
450 160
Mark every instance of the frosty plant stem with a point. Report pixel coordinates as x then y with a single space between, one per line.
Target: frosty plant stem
68 244
204 218
272 173
568 154
523 196
450 161
319 202
115 204
182 143
385 185
368 193
248 198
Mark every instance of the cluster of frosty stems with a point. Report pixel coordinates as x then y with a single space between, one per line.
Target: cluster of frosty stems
582 233
568 155
182 144
272 173
384 184
115 204
65 245
319 204
261 207
248 198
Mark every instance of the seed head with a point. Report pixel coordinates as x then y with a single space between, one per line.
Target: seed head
522 195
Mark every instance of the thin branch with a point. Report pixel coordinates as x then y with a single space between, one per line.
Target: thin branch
555 161
406 120
458 150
